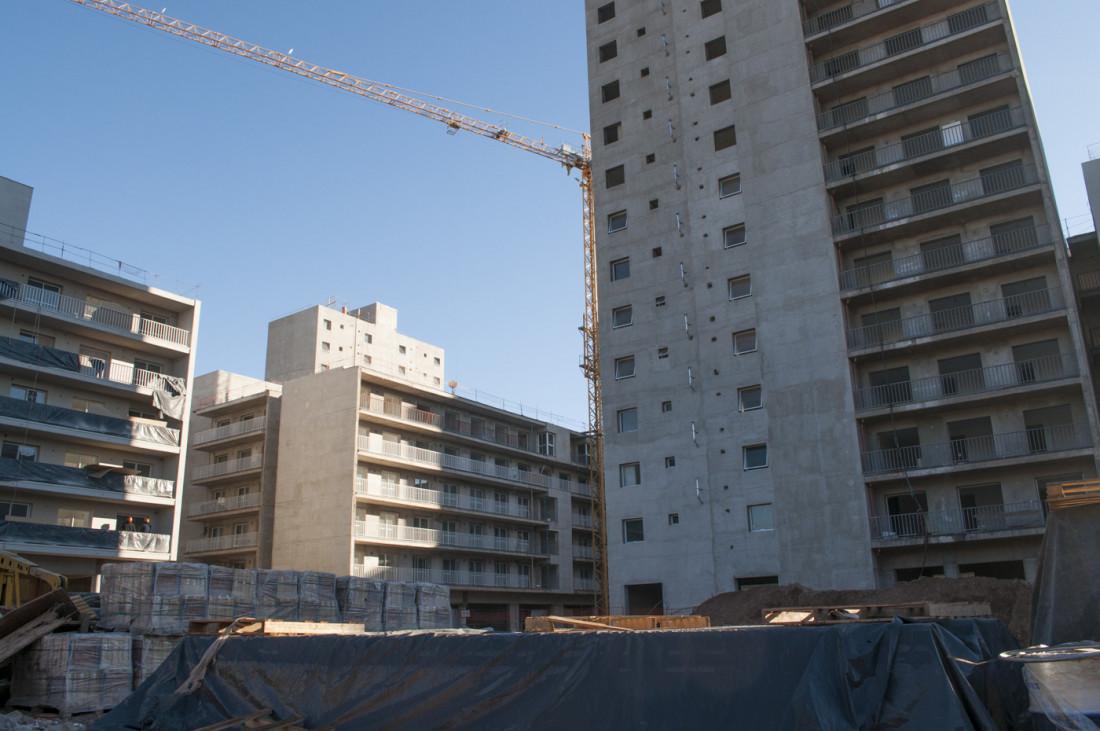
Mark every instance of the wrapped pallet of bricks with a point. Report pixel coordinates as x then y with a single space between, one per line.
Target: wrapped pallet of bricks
232 593
73 672
399 606
179 595
277 594
149 652
433 606
124 593
317 597
360 601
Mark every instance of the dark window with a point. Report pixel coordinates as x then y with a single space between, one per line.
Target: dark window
913 90
725 137
857 161
641 31
1037 361
867 213
715 48
615 176
900 449
608 51
978 69
710 7
720 92
990 122
834 17
1049 427
653 204
610 91
967 19
951 313
907 513
1026 297
1000 178
620 269
645 72
883 326
932 196
962 374
923 142
850 111
942 253
890 386
647 114
650 158
1013 235
902 42
633 531
971 440
611 133
729 185
841 64
605 13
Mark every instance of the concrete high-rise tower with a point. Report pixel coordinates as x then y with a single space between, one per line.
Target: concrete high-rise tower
838 344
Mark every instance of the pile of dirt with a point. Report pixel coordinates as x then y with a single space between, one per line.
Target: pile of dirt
1010 600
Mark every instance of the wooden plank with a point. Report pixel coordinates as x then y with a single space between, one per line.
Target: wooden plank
249 626
19 616
35 629
277 724
874 612
235 721
628 623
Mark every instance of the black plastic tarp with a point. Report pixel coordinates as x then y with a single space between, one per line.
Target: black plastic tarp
39 355
894 675
64 535
1067 584
14 408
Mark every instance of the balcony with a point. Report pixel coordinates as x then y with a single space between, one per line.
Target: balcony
35 538
69 308
582 521
235 396
480 579
948 258
956 319
432 538
249 501
51 418
41 356
940 198
986 518
376 445
580 584
912 148
584 553
843 14
1088 283
964 383
1033 442
229 467
232 542
377 405
235 429
374 487
925 35
76 481
916 91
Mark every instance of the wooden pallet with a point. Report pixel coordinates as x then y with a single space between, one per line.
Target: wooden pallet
629 623
272 627
875 612
1068 494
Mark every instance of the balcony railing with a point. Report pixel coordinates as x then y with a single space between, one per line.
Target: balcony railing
223 543
918 90
1088 282
945 138
483 579
946 258
584 552
69 307
15 534
59 476
936 199
43 356
377 405
230 430
102 426
955 319
225 504
582 521
231 466
375 444
430 537
961 383
971 450
843 14
907 41
580 584
374 487
1007 516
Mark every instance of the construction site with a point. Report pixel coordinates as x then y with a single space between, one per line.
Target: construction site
841 462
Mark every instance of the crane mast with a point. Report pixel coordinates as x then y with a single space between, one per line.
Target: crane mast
571 159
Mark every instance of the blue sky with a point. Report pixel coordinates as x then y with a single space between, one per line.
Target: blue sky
273 193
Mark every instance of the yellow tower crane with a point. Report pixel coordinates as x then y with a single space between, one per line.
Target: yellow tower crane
386 94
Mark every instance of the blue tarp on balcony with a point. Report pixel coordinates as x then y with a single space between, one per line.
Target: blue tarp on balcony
107 425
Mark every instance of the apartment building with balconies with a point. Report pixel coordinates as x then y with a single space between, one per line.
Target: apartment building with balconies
834 294
229 498
95 392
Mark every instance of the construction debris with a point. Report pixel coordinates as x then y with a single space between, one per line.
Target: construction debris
74 672
629 623
875 612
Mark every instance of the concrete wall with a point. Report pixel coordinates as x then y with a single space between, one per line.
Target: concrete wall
1091 171
15 209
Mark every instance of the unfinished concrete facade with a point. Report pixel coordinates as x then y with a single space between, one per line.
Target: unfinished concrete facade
838 342
95 372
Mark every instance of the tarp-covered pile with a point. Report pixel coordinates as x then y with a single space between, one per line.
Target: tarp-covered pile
897 675
73 673
360 601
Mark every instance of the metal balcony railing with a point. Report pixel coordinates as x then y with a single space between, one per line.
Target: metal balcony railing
914 91
1006 516
223 543
582 521
218 469
946 258
69 307
915 38
375 444
138 485
373 486
954 319
935 199
580 584
971 450
369 530
584 552
961 383
241 393
945 138
843 14
225 504
449 578
475 430
1088 282
231 430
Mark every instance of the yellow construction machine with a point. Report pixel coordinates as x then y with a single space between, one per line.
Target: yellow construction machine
22 580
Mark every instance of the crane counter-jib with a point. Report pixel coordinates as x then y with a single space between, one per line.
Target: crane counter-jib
392 96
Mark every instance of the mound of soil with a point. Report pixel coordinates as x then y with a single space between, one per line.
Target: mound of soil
1010 600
